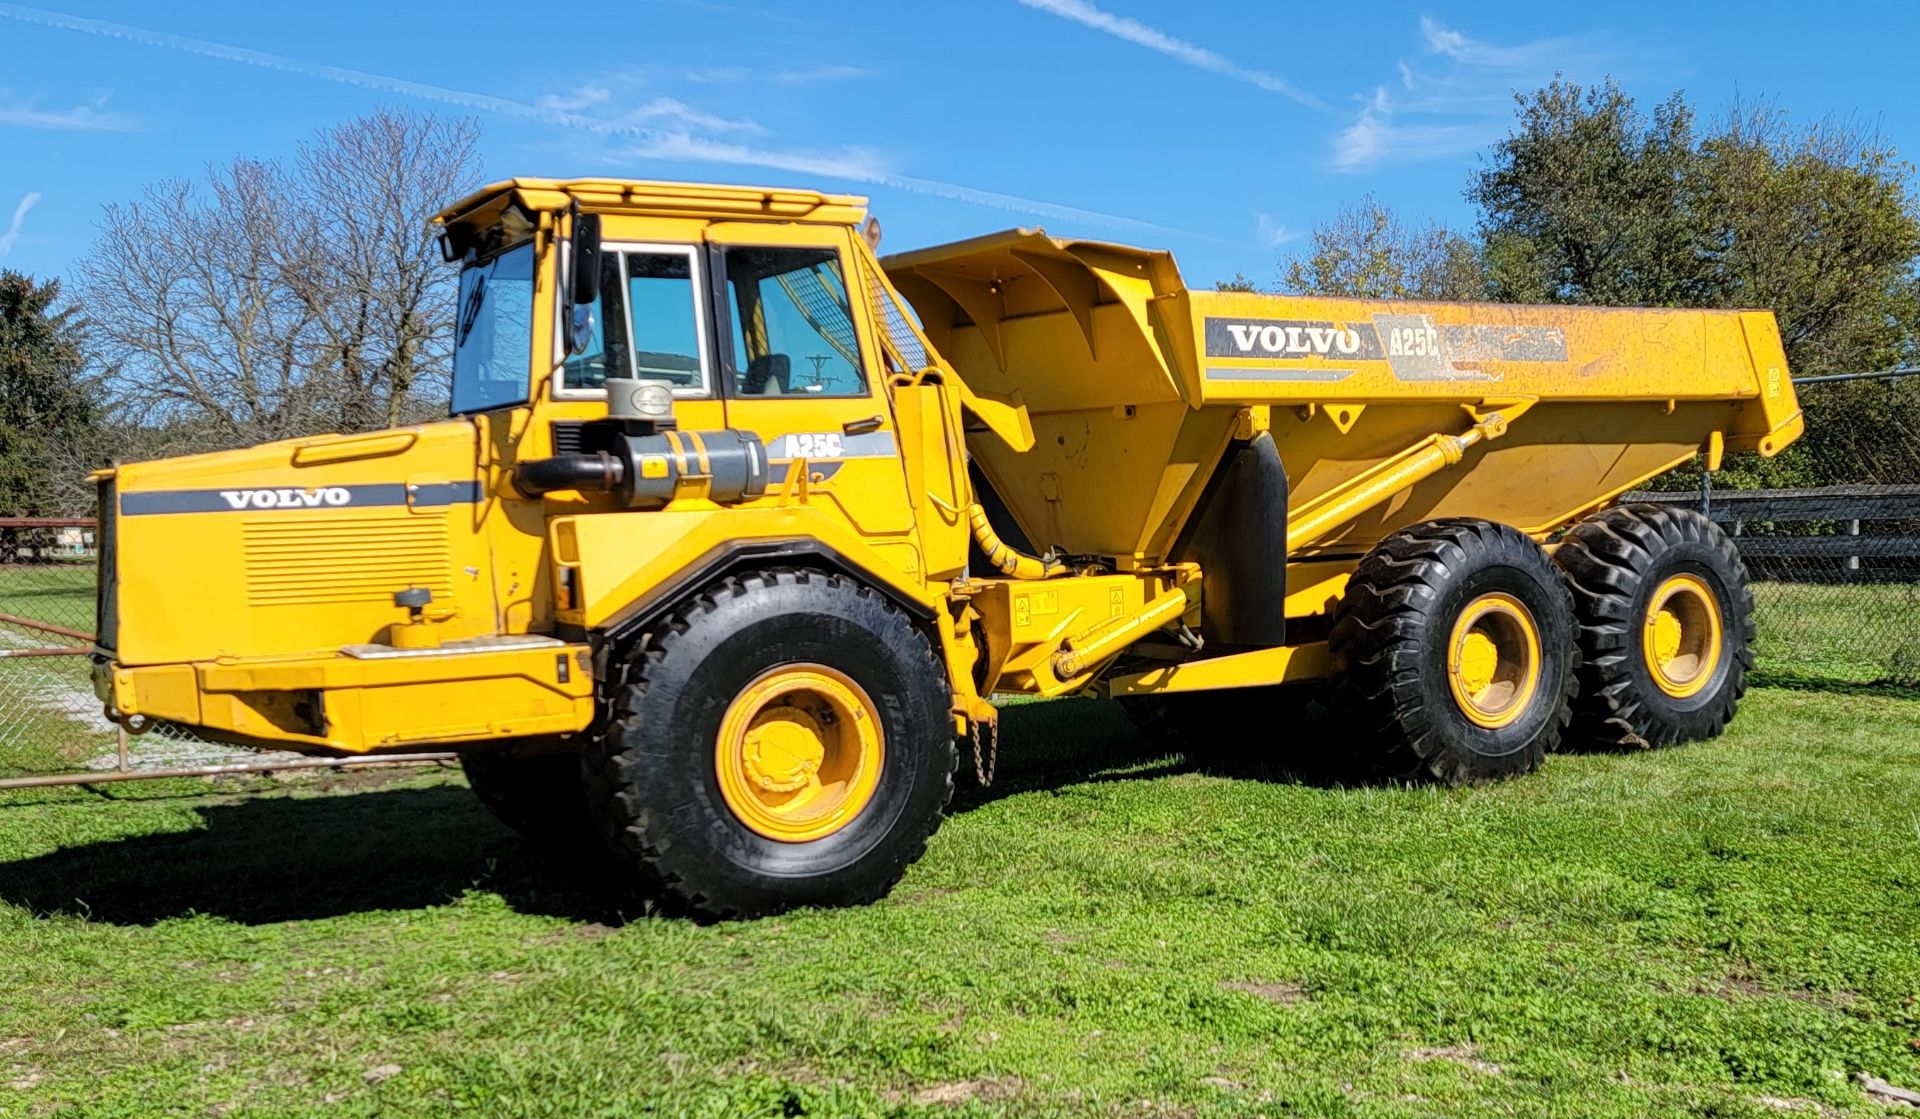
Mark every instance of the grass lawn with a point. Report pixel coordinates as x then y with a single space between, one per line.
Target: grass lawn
58 593
1726 929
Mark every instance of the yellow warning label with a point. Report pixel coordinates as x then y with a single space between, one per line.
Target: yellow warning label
653 466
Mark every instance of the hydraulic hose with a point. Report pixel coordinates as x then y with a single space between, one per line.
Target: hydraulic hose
596 471
1004 556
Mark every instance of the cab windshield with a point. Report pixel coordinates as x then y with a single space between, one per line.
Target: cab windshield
493 332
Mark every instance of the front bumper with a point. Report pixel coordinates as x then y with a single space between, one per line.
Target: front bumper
364 698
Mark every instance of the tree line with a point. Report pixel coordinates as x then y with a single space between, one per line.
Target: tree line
1591 200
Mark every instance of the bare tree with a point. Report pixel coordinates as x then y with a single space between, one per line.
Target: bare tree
366 266
276 301
1367 252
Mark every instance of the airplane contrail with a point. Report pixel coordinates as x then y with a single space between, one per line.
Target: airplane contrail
648 137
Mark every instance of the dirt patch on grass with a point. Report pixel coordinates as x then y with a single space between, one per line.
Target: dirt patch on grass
1466 1056
960 1092
1743 984
1283 994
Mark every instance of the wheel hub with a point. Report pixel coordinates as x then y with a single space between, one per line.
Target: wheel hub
1493 660
785 748
1683 635
799 753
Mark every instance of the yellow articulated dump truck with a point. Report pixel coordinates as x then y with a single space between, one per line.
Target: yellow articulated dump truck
735 528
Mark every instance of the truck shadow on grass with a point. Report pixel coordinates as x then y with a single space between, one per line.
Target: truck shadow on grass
273 858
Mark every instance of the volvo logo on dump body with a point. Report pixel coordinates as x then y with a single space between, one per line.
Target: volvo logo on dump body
1308 339
287 498
1291 338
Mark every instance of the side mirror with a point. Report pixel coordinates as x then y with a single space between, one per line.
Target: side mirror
585 281
580 329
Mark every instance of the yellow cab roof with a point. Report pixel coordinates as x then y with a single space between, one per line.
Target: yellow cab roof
654 199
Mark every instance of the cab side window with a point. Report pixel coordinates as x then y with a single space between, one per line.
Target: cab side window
646 323
792 325
606 352
666 335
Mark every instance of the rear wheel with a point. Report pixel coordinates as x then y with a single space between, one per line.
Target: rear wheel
1455 647
1666 626
784 740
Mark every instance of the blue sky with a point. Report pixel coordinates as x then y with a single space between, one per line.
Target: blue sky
1220 130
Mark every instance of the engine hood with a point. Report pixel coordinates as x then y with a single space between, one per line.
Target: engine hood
297 546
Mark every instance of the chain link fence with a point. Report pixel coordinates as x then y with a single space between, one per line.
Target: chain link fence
1830 532
50 721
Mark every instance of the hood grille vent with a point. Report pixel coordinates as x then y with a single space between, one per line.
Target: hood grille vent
310 561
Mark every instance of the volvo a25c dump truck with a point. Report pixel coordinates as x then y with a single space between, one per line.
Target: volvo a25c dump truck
735 529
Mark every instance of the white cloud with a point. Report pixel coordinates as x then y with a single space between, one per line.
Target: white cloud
1457 96
856 164
1133 31
78 118
810 75
578 100
1269 233
1443 40
860 165
613 109
12 234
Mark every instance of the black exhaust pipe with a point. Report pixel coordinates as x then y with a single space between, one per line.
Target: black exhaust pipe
597 470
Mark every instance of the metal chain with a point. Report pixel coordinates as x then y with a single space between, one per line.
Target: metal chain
983 768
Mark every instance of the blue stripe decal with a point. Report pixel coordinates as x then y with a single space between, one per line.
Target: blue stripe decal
276 499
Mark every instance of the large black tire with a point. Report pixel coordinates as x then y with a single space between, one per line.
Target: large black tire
538 795
1621 563
1394 634
654 778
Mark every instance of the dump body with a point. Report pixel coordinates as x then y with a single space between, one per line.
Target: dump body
1136 386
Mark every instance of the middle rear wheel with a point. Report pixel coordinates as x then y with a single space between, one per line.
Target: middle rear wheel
1455 642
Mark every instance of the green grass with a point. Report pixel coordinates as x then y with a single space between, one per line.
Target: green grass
1728 929
58 593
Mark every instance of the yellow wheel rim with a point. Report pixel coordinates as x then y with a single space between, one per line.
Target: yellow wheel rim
1681 638
1493 660
799 753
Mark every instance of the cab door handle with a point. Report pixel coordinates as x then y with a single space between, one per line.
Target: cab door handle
861 427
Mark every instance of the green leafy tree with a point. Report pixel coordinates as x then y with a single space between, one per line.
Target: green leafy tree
1366 252
1240 282
48 405
1590 201
1817 225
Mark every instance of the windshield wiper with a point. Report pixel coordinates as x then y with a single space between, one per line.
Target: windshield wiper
470 314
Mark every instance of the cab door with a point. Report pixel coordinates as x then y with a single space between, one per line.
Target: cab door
798 366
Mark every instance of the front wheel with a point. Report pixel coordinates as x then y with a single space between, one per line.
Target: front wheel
784 739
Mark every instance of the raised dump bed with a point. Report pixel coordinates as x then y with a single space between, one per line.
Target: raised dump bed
1137 385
